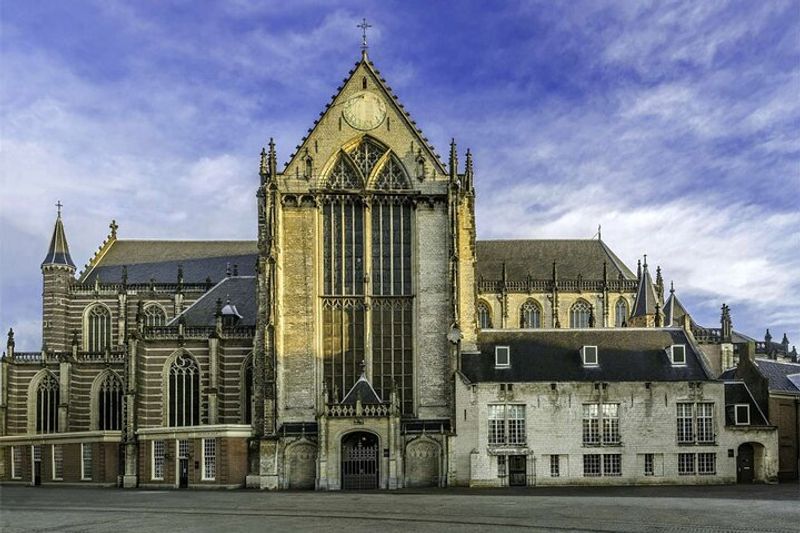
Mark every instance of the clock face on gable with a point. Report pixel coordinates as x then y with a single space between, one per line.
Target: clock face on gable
364 111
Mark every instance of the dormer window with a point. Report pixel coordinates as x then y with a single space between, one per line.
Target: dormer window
741 413
502 357
589 354
677 354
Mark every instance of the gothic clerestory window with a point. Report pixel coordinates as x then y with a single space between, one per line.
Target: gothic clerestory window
484 316
154 315
183 400
579 315
109 403
47 400
392 176
530 315
366 154
620 313
98 328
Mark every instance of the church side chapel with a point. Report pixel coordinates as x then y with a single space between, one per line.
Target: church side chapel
367 340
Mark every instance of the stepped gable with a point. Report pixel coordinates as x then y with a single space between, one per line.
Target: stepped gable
535 257
156 260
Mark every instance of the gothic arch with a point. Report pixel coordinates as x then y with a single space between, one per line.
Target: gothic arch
94 400
531 314
91 336
389 174
483 314
151 311
165 384
423 462
32 398
621 311
300 464
580 314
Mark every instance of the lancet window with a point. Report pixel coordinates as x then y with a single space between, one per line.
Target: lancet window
484 316
98 328
530 315
361 240
579 315
620 313
184 392
154 315
109 403
47 399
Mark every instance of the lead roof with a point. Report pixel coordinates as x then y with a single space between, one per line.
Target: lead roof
58 252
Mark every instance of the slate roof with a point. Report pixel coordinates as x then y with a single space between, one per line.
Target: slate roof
240 291
674 311
362 389
736 392
58 252
159 260
646 299
535 258
553 355
779 375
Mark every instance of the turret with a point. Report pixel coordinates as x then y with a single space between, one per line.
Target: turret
646 309
726 324
58 272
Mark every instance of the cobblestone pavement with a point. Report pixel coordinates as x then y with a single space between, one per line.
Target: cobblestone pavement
680 509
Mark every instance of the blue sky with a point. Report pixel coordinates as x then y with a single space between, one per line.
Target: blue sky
673 124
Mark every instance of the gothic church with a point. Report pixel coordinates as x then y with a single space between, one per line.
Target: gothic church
367 340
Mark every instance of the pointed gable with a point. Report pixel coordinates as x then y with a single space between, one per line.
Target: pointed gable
365 121
362 390
674 311
58 252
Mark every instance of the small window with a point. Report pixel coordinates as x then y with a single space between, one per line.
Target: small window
686 464
484 318
209 459
707 464
742 414
16 462
157 471
649 468
86 462
555 466
589 354
591 465
678 354
502 356
58 462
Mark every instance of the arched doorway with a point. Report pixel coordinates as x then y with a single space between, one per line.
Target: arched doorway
745 467
360 461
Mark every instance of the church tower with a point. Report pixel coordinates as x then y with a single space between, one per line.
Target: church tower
58 272
361 238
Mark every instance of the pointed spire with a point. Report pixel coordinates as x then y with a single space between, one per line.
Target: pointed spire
767 338
639 270
263 167
646 302
453 163
468 172
58 252
659 285
272 160
657 318
785 342
726 323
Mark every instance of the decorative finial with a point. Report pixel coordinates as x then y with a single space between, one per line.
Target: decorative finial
113 227
363 365
672 287
645 260
263 167
59 205
364 26
599 232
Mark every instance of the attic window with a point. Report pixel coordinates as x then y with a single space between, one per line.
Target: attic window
502 357
589 354
677 354
741 413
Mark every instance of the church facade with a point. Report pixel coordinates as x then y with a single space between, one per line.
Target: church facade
354 344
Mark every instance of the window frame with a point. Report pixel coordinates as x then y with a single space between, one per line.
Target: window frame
57 465
599 423
672 355
706 464
162 456
205 459
483 309
555 465
649 464
682 464
497 363
16 469
84 447
584 352
505 430
736 420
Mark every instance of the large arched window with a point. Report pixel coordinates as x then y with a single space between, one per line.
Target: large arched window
530 315
98 328
154 315
109 403
579 315
621 313
47 399
484 316
184 392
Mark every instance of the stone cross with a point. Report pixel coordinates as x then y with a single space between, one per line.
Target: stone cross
364 25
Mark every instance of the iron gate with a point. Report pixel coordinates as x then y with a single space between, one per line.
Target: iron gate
360 461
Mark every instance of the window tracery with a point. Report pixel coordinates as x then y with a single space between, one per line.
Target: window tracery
530 315
392 176
484 316
47 400
154 315
109 403
579 315
344 176
184 392
98 328
365 155
621 313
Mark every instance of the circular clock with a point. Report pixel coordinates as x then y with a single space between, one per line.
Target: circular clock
364 111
